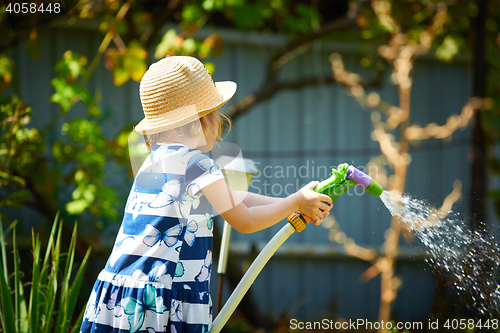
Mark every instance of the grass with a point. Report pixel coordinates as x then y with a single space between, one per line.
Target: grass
53 289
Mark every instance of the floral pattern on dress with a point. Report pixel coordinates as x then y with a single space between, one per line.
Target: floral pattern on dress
136 309
206 268
158 273
154 236
171 195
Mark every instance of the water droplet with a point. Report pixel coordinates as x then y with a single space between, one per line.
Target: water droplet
453 249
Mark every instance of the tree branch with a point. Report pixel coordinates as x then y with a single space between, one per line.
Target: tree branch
283 56
271 88
453 123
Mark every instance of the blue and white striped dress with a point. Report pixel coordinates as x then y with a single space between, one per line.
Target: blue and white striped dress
157 276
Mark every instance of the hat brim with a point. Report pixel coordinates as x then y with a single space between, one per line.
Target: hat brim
226 88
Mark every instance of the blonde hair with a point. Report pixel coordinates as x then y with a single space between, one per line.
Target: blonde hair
212 125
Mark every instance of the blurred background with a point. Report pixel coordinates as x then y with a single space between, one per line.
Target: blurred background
408 91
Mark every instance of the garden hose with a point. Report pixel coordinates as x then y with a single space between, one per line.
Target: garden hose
340 182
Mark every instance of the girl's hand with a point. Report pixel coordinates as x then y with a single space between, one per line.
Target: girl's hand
312 204
316 222
325 214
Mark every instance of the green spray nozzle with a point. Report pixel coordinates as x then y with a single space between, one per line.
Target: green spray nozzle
342 179
345 177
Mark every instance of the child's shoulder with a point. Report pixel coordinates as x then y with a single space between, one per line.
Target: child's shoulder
197 157
192 158
200 163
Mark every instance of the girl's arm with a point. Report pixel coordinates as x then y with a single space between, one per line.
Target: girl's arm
250 219
253 199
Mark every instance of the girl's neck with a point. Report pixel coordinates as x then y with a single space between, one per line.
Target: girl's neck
198 142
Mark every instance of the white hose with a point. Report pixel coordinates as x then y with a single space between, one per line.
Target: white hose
224 248
249 277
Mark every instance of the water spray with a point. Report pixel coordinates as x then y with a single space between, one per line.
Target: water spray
342 179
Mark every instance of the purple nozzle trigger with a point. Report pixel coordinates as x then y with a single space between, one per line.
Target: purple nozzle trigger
361 179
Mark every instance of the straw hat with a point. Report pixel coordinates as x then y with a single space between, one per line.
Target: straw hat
178 90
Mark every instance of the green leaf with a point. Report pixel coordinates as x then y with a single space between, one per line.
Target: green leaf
6 70
7 313
50 273
17 285
208 5
65 95
189 46
448 49
134 61
76 207
67 90
191 14
71 66
33 308
210 66
122 138
12 178
167 44
67 299
23 310
212 45
120 76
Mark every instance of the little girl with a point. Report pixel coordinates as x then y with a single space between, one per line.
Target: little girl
157 276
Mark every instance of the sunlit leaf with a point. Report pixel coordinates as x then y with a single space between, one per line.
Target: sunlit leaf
120 76
210 66
448 49
76 207
11 178
212 45
167 44
127 64
6 69
189 46
71 65
208 5
191 14
137 50
64 94
134 61
112 59
79 175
